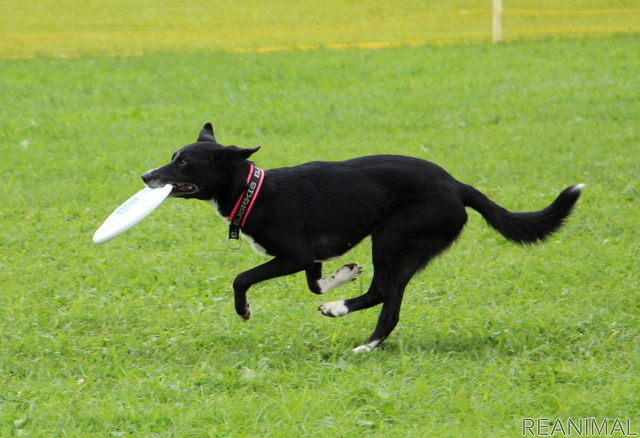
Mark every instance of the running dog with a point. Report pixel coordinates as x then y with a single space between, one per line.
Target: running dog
304 215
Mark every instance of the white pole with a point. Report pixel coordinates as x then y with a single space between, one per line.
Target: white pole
497 21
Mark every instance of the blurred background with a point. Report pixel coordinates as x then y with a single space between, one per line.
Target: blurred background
71 28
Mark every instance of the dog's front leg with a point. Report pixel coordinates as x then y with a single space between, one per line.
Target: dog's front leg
277 267
314 273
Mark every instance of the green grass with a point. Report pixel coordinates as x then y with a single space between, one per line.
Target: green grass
138 337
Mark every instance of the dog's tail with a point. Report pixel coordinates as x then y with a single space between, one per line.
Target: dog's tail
528 227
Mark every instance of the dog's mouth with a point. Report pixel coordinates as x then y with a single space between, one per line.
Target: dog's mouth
180 189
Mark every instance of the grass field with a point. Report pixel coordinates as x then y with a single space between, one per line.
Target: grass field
138 337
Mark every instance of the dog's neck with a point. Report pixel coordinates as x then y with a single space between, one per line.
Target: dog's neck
243 206
228 195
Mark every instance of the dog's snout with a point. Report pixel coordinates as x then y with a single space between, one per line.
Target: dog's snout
147 176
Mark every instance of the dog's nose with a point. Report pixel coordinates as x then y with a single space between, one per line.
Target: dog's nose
146 177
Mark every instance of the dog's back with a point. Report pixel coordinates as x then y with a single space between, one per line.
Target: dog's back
340 203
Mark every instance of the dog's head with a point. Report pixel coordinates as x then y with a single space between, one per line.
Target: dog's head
201 169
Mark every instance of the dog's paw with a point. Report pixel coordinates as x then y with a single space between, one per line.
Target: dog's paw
362 349
247 314
348 272
344 275
334 309
366 348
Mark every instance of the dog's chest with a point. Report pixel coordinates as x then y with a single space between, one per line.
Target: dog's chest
255 245
216 207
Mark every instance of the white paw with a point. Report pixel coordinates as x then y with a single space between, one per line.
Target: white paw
344 275
347 273
366 348
362 349
334 309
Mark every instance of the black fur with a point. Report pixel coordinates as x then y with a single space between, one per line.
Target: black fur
412 208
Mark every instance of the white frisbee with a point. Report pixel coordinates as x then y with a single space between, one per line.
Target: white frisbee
132 211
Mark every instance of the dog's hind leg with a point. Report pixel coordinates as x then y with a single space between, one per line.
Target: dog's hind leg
387 321
393 266
344 275
397 256
388 288
385 284
394 283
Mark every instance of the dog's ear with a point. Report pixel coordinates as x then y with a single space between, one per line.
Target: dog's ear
240 153
206 134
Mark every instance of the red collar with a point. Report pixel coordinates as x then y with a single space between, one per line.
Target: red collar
244 204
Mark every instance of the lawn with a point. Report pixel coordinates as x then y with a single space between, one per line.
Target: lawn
138 337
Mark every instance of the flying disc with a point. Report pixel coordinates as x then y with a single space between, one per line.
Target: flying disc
132 211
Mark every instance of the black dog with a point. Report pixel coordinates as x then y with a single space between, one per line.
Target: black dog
314 212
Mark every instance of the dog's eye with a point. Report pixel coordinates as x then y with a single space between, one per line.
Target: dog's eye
182 162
